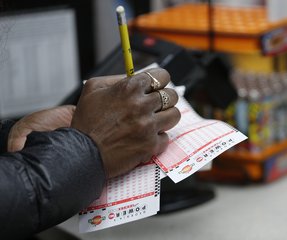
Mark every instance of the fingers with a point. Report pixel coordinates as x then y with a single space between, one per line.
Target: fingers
15 145
160 147
167 119
45 120
59 116
17 136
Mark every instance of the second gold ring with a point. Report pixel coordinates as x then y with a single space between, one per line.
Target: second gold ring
165 100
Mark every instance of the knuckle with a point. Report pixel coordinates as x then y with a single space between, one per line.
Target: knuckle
176 115
123 86
162 143
146 131
89 85
175 95
142 77
139 106
132 84
164 73
145 127
141 127
140 81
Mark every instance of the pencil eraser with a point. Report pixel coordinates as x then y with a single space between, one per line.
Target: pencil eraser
120 9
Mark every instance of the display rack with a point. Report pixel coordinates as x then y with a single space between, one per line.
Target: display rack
246 35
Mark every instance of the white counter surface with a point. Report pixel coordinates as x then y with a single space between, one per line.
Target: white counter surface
253 212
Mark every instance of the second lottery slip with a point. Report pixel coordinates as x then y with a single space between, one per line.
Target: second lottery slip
124 199
194 142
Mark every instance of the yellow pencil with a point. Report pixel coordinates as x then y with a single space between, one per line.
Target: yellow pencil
125 41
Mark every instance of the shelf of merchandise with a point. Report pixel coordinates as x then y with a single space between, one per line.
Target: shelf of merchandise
236 30
265 166
244 155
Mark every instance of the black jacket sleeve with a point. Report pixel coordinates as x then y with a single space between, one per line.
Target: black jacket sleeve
55 176
5 127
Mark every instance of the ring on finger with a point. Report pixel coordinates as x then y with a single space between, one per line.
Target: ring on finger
155 84
165 100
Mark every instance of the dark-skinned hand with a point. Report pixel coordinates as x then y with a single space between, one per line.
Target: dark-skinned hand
123 117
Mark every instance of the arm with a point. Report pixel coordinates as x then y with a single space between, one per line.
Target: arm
60 172
57 174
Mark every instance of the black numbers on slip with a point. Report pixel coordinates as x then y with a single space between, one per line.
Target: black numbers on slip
218 148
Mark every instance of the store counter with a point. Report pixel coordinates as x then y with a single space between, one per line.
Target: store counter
253 212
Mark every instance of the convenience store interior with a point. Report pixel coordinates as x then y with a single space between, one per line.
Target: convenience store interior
231 56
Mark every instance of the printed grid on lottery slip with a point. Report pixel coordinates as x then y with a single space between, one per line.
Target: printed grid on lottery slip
127 198
139 183
190 139
190 142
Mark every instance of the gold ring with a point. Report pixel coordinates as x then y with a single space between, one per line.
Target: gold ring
165 100
155 84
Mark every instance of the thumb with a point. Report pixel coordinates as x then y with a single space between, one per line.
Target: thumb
17 138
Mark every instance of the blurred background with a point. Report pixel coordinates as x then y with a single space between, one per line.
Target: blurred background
231 57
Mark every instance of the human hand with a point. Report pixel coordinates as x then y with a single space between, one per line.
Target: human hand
45 120
125 120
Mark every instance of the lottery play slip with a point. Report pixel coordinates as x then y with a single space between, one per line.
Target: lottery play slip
193 143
